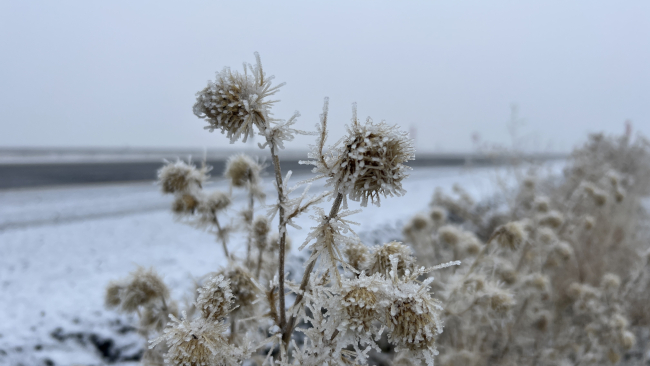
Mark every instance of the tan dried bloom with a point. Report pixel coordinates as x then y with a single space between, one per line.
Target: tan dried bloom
506 271
215 298
380 258
361 302
197 343
529 183
369 163
187 203
510 235
589 222
112 298
539 282
553 219
438 215
500 300
357 255
546 236
143 287
260 231
414 321
215 202
450 234
613 356
242 171
180 176
234 103
542 204
243 288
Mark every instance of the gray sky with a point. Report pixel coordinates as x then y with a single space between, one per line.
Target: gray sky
124 73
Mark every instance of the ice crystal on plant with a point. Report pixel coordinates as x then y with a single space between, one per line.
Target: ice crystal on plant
215 298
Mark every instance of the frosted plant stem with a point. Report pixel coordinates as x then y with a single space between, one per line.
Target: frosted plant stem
251 204
283 233
223 240
305 278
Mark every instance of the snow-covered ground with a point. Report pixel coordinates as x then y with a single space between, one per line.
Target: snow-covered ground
59 247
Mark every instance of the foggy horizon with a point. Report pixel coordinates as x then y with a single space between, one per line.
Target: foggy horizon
122 74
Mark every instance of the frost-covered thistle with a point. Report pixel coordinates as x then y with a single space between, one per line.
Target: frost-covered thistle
180 176
235 103
368 163
215 298
139 289
198 342
242 171
380 260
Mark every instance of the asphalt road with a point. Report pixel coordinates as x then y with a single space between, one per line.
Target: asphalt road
39 175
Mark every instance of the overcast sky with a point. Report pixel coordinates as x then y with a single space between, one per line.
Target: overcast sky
125 73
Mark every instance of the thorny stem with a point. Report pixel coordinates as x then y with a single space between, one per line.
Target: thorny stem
223 239
288 330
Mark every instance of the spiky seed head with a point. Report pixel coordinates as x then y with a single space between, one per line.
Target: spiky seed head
563 250
553 219
500 300
610 282
242 171
471 244
538 282
360 304
380 258
244 289
506 272
357 255
235 103
438 215
215 202
370 163
420 223
215 298
574 291
142 287
195 343
450 234
185 204
510 235
414 321
589 222
180 176
628 340
112 298
474 282
260 231
546 236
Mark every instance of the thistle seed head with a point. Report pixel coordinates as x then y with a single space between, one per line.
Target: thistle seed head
380 258
242 171
215 298
357 255
180 176
510 235
185 204
450 234
142 287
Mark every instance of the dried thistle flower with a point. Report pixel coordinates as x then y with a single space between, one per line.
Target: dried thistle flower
610 282
589 222
553 219
112 298
198 342
242 171
438 215
450 234
360 300
546 236
180 176
215 298
541 320
380 261
142 287
243 287
357 255
234 103
185 204
499 300
369 163
542 204
510 235
260 231
215 202
628 340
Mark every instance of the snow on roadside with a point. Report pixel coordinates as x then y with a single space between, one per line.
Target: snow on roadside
59 247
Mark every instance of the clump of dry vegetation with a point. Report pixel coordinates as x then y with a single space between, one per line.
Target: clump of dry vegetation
552 275
556 273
